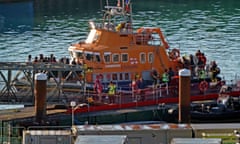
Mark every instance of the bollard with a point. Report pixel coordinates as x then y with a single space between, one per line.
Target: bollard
184 96
40 91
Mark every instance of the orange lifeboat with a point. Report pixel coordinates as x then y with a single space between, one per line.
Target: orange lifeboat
117 52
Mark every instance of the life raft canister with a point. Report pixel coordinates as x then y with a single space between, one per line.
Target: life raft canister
203 86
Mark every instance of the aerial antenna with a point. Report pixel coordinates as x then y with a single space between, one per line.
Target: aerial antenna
107 3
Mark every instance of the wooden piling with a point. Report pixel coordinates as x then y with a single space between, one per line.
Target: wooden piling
40 92
184 96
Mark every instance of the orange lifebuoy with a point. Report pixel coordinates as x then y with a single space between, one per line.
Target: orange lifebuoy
175 53
203 86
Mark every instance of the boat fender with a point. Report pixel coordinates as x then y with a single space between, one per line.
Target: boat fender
203 86
175 53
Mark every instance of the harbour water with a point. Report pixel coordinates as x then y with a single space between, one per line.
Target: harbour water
50 26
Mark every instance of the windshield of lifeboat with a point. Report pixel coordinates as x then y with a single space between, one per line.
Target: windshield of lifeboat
77 54
92 36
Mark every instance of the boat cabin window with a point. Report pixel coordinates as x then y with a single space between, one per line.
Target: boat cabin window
142 57
150 57
114 76
93 57
127 76
115 58
97 57
124 57
123 76
77 54
107 57
120 76
89 56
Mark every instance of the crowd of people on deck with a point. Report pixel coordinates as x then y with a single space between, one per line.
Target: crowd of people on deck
199 68
111 91
137 86
196 63
50 59
165 78
41 58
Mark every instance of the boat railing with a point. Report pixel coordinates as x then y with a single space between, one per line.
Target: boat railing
151 95
147 39
233 81
124 96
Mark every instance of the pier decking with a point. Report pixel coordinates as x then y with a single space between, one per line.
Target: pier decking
17 80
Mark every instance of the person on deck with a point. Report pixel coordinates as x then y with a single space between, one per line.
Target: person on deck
155 76
111 92
29 60
140 88
198 54
35 60
203 59
171 74
165 77
193 61
224 89
98 88
201 74
215 70
185 62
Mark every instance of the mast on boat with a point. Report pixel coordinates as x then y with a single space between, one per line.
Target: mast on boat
119 14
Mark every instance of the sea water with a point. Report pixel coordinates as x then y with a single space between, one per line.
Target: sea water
50 26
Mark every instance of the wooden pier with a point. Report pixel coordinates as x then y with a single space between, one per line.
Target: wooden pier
17 81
